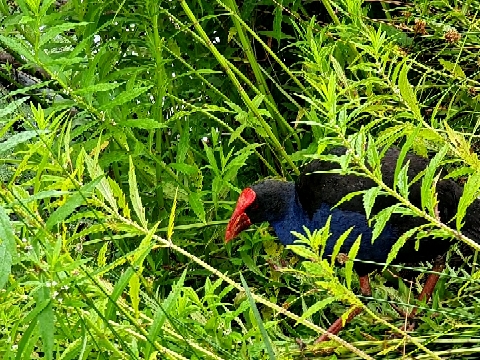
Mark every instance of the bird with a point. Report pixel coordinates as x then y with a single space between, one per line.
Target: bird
309 202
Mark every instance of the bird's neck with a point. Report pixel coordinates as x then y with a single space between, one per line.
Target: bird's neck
293 219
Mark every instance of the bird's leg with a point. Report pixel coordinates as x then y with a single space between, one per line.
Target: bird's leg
335 328
427 291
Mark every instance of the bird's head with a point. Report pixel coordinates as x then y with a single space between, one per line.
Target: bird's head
267 200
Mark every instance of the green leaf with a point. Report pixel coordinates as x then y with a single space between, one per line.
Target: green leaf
317 307
381 220
403 153
369 200
57 30
20 138
428 188
183 144
97 88
196 204
134 292
74 201
5 264
147 124
46 325
125 97
96 171
249 263
402 181
352 254
11 107
171 219
338 245
348 197
455 69
19 46
373 157
253 306
184 168
135 196
211 160
406 91
7 237
470 193
302 251
230 171
398 245
163 311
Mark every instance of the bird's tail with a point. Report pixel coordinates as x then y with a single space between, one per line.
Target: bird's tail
449 195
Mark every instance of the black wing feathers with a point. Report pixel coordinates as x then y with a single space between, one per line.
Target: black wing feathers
316 188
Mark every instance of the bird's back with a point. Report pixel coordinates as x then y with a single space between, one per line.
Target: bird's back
315 189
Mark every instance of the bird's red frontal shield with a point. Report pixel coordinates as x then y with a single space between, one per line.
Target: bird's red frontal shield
240 220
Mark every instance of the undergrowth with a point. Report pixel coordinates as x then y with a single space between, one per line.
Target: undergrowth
122 160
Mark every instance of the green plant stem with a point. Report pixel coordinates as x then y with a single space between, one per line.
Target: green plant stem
276 144
165 243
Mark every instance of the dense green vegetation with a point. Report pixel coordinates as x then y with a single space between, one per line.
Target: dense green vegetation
124 151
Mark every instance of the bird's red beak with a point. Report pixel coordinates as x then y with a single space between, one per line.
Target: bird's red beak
240 220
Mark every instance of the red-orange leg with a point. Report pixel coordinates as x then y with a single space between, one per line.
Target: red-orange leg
335 328
427 291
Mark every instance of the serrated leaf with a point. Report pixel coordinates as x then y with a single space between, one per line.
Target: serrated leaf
462 147
7 237
134 292
381 220
249 263
171 219
183 144
402 181
406 91
11 107
102 258
348 197
147 124
403 153
135 196
352 254
46 322
185 168
302 251
373 157
20 138
19 46
196 204
428 189
57 30
5 264
317 307
369 200
338 245
398 245
73 201
470 193
97 88
237 133
455 69
211 160
162 313
125 97
241 156
104 187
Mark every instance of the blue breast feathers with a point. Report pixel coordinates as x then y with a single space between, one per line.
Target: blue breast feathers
295 218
